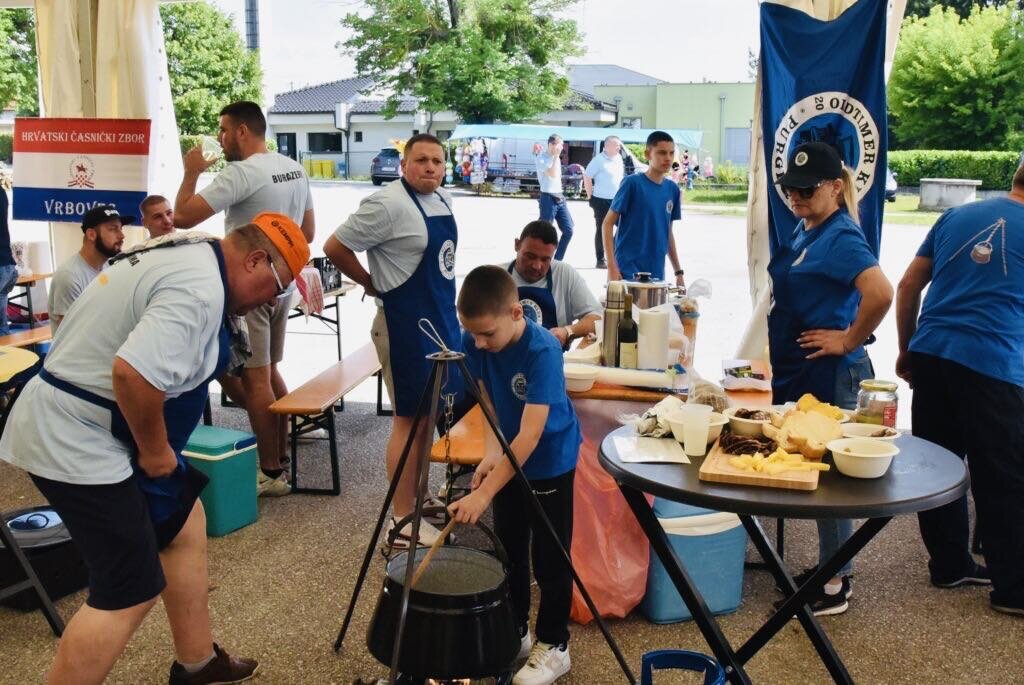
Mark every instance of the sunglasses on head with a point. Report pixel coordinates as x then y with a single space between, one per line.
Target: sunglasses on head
805 193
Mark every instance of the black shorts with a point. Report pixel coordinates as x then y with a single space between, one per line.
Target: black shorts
111 528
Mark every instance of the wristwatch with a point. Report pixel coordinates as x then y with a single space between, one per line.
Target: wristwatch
679 272
568 333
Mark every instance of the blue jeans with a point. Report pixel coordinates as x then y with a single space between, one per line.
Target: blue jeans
8 277
554 208
832 533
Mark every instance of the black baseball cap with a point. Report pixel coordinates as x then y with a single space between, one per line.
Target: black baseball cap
103 213
811 164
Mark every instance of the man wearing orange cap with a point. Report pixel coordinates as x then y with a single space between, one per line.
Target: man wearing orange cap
100 431
255 180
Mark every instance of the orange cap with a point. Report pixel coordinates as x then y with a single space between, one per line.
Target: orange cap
287 238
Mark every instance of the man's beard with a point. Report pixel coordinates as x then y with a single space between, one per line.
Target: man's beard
107 251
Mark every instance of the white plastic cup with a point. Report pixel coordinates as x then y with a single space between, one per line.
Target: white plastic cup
211 149
696 420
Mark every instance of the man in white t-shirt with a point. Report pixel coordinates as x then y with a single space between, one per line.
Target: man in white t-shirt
409 235
102 238
553 207
255 180
102 427
601 181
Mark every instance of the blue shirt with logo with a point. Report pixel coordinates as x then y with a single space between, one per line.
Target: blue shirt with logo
812 285
973 313
529 371
646 211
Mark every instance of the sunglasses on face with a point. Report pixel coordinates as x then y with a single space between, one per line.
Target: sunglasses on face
805 193
277 279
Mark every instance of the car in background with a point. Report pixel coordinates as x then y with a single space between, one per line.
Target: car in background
890 185
385 166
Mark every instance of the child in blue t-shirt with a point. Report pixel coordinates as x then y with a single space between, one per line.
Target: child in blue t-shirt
520 366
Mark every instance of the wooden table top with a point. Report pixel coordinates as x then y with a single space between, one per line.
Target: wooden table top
32 279
15 360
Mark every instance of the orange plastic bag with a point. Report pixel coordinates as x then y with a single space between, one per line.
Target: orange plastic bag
609 549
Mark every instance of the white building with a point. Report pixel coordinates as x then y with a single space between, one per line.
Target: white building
341 121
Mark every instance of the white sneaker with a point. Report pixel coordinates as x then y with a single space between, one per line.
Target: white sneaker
547 663
272 487
428 535
525 645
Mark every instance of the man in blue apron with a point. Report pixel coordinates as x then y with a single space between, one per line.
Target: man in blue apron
551 291
409 235
100 431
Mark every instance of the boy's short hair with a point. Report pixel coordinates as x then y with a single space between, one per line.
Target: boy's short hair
248 113
554 138
541 230
487 290
659 137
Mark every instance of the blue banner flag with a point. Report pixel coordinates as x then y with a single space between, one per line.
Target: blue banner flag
825 81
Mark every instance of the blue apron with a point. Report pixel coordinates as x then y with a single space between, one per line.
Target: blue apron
171 497
792 374
428 293
538 303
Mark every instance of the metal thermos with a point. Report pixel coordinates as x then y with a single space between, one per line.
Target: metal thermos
614 302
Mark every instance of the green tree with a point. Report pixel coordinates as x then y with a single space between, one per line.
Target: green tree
18 82
208 65
486 60
921 8
956 83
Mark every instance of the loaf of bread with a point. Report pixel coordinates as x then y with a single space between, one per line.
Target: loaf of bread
806 432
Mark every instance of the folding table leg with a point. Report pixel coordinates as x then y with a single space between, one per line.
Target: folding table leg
332 442
684 584
31 581
796 601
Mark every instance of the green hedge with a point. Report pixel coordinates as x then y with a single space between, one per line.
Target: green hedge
6 148
993 169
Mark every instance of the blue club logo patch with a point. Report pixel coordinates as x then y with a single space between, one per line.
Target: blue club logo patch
519 386
532 310
446 259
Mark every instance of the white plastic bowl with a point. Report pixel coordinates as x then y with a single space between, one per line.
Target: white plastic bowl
865 430
745 427
580 377
718 422
862 457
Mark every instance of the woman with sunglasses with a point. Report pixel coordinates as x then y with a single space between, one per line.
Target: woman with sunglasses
828 296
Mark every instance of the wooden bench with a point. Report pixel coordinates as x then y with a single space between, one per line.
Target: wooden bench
27 338
311 407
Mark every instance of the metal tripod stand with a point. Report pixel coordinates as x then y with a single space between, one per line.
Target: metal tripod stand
440 362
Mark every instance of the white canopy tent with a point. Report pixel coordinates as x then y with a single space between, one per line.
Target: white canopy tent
107 59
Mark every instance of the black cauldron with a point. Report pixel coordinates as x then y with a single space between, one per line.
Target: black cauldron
460 622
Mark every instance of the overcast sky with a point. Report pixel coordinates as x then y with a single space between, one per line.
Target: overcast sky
675 40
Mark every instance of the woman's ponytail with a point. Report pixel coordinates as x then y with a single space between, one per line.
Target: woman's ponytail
850 194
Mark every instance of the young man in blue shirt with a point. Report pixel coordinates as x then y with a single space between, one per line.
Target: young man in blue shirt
644 208
520 366
964 357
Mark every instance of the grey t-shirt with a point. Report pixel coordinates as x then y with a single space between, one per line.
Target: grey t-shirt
573 299
264 182
390 229
161 313
67 284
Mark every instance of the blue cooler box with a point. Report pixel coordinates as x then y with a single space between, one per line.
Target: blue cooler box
228 458
712 546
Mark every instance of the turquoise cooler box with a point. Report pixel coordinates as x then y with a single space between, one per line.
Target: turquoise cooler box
712 546
228 458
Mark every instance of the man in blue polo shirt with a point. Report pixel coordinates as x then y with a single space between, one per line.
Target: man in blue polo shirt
644 208
964 357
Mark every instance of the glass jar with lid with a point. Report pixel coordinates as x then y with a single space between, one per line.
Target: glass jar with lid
877 402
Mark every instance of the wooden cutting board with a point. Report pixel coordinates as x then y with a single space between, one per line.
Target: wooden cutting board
716 468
